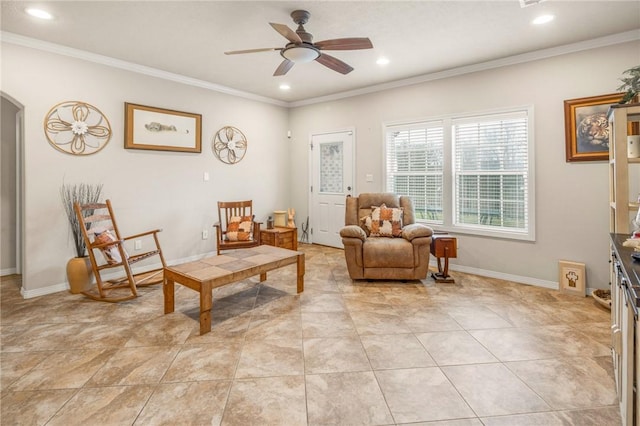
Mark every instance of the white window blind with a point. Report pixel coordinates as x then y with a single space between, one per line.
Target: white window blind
414 166
491 164
467 174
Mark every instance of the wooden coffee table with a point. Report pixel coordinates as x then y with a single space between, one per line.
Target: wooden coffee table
231 266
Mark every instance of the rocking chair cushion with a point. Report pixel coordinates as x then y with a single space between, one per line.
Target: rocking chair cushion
111 253
240 228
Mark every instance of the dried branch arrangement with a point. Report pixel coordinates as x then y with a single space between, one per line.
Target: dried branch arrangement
83 193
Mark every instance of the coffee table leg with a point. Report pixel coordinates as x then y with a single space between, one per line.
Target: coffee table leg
169 302
300 270
206 302
263 276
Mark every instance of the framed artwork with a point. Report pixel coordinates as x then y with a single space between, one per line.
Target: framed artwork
572 278
161 129
587 127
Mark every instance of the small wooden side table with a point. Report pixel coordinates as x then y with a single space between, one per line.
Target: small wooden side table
443 245
280 237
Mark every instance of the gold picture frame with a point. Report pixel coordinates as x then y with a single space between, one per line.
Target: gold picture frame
572 278
160 129
587 127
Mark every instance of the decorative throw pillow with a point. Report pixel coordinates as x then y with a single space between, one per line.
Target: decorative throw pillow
111 253
240 228
365 223
385 221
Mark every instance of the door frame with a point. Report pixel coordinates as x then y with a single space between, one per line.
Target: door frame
310 206
19 185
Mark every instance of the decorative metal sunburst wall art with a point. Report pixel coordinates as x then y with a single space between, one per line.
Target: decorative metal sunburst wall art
77 128
229 145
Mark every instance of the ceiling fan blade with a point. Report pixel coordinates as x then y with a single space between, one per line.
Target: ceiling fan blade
352 43
283 68
266 49
287 33
334 63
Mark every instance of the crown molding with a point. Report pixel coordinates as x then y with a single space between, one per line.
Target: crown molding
610 40
45 46
483 66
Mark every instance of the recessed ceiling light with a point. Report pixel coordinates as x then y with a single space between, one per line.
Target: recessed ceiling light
285 87
543 19
382 61
39 13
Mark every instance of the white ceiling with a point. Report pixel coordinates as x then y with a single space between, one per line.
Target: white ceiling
419 38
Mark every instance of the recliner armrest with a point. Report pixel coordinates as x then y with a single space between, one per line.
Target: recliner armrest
353 231
416 230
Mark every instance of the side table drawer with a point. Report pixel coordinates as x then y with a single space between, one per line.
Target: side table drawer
280 237
444 247
268 238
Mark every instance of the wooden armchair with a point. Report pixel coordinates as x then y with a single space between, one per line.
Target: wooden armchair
101 234
236 227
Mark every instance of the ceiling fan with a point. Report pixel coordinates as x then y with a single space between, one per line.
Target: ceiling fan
301 47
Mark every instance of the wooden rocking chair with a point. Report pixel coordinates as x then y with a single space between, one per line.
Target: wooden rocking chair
236 227
101 234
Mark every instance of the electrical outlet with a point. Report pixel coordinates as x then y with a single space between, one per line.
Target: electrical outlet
205 234
137 244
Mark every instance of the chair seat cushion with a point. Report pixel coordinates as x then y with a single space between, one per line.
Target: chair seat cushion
240 228
380 252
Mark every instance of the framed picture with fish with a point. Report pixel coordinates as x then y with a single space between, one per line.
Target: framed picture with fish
161 129
587 127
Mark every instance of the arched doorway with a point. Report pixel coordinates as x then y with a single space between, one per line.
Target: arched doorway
11 156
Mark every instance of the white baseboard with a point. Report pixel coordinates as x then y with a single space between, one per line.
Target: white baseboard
55 288
589 291
43 291
502 276
8 271
27 294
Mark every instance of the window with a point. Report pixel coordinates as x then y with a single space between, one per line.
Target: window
414 160
468 174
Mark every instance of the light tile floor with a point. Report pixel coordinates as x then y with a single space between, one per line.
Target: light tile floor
478 352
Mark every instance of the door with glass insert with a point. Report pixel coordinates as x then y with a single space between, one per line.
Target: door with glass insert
332 180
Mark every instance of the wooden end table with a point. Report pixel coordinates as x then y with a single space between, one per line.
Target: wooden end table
234 265
280 237
443 245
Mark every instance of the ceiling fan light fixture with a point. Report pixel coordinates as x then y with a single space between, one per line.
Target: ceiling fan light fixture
543 19
300 54
38 13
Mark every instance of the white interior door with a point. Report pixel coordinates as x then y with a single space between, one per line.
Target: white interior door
332 180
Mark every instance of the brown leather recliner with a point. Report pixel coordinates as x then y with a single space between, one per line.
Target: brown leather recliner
385 258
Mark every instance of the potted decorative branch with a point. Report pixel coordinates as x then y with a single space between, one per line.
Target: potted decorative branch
631 85
79 272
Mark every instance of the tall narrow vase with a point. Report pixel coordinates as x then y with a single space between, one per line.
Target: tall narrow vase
79 274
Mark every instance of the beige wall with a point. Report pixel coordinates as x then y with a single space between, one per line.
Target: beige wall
162 189
8 188
149 189
571 199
